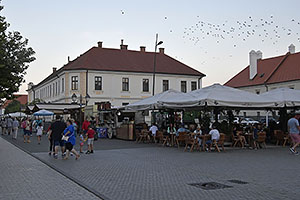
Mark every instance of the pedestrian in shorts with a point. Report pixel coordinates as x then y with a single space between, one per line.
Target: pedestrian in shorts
294 130
90 134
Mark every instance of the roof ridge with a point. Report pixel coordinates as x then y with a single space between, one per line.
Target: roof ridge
277 67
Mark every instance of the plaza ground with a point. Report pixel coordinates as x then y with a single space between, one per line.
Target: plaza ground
128 170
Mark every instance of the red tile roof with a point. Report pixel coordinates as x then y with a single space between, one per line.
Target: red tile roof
271 70
22 98
106 59
122 60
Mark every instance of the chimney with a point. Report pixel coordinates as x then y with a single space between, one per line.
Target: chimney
253 64
68 59
143 49
292 49
54 69
100 44
162 50
259 55
123 46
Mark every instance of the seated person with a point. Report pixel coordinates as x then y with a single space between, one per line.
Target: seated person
198 131
171 129
181 130
215 136
153 129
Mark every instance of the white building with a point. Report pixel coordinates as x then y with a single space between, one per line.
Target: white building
263 75
120 76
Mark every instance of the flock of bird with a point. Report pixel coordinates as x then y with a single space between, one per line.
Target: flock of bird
241 30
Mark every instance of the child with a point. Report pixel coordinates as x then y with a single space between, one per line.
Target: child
39 132
90 135
82 140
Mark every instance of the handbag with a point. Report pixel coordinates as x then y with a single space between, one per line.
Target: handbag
65 138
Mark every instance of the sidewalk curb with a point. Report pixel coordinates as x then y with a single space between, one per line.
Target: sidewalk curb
91 190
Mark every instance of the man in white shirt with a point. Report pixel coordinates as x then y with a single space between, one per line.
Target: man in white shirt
215 135
153 129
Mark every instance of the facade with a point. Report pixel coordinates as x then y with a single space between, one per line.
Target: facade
262 75
120 76
267 74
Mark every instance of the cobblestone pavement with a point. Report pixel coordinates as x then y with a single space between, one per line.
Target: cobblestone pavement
143 171
164 173
24 177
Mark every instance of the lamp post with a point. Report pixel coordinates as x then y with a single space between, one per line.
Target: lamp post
74 100
154 66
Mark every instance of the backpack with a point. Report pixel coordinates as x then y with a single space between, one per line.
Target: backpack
23 125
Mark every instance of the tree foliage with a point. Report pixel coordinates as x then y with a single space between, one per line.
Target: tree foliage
14 106
15 57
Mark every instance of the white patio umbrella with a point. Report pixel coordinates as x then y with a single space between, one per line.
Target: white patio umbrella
43 113
221 96
286 97
17 114
153 101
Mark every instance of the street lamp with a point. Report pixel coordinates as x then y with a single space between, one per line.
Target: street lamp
74 100
154 66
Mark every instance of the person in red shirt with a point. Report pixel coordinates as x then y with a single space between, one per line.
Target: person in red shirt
85 125
90 134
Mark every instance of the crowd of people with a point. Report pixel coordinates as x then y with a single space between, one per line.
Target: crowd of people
61 135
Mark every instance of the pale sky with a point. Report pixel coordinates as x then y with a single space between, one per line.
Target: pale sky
214 37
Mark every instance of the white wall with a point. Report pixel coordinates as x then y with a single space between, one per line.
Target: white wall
111 86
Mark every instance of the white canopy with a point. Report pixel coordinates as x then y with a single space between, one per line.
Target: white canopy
153 101
284 96
17 114
220 96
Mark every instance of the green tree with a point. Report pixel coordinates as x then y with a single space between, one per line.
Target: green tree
14 106
15 57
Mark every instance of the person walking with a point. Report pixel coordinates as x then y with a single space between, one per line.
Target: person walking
57 128
39 132
90 135
3 126
294 130
27 131
85 125
70 141
15 126
9 125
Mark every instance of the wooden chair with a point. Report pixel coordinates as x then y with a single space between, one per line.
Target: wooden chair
262 138
280 137
220 142
287 139
159 136
191 141
237 140
143 136
180 138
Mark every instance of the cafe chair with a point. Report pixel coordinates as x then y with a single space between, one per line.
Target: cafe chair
262 139
220 142
180 138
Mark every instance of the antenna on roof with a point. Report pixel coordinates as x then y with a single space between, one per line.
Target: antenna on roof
122 41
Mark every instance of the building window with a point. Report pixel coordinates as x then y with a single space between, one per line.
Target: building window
53 89
194 85
74 82
292 87
125 84
257 91
183 86
98 83
145 85
50 91
165 85
62 85
58 86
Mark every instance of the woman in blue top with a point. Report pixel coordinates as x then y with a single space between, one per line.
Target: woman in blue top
69 132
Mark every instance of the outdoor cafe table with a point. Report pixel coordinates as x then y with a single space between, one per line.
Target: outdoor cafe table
204 138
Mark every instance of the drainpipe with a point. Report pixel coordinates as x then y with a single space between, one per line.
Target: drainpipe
267 89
